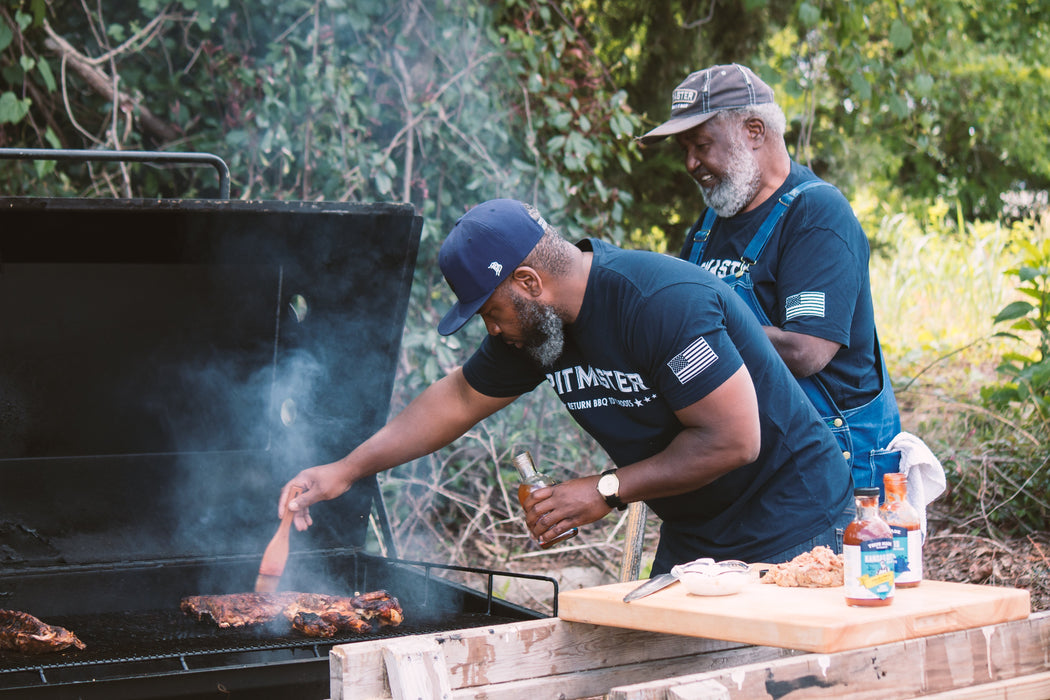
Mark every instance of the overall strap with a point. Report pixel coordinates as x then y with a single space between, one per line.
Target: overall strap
700 235
765 231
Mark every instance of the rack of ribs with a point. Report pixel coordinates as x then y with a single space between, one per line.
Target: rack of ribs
21 632
313 614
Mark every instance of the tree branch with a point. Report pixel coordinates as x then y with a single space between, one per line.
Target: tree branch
102 84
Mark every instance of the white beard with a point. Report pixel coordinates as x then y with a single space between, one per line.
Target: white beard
738 185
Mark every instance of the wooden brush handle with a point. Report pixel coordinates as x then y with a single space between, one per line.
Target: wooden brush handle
276 553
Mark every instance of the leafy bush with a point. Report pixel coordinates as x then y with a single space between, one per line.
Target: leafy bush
1001 478
1029 386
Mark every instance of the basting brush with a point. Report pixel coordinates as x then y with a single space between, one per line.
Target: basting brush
276 554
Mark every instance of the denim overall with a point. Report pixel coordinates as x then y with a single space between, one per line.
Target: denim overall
862 432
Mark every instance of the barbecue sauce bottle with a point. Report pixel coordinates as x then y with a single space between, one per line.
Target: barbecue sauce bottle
867 546
903 519
532 479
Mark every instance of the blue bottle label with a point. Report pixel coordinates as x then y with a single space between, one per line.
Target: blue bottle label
869 569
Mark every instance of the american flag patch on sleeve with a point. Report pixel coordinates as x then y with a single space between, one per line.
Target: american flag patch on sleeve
804 304
693 360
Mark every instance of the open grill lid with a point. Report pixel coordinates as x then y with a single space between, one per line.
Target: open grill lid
165 366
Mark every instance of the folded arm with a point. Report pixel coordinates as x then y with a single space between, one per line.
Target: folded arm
721 432
803 354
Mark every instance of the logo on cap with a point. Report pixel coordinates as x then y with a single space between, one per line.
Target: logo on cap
496 267
683 98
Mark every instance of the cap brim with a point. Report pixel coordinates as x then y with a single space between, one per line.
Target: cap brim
673 126
459 314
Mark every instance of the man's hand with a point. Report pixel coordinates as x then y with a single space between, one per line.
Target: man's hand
317 484
554 510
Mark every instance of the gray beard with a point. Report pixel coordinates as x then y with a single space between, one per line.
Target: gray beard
542 329
738 185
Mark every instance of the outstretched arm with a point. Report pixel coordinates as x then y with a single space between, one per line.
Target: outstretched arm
443 412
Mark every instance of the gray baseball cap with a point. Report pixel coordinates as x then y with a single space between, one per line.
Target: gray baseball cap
706 92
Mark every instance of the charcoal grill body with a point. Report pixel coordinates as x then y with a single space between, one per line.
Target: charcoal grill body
165 366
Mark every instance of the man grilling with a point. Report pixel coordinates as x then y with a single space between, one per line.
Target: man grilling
658 360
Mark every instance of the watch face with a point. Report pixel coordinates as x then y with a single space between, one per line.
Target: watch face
608 485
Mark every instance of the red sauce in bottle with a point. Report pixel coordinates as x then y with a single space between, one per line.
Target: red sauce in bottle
867 546
903 519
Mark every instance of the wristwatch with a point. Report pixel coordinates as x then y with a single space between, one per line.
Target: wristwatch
609 489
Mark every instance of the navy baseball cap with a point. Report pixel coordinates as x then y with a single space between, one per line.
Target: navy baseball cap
707 92
484 248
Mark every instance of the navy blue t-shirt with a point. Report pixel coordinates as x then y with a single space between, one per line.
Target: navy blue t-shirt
656 334
823 256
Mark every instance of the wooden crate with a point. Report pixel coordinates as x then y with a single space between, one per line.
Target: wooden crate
553 658
1007 660
534 660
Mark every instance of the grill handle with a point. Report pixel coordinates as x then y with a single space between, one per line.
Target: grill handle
125 156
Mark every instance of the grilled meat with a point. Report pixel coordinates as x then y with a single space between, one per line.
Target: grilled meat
329 623
313 614
24 633
238 609
313 625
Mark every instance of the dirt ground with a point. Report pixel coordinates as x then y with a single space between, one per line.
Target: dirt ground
1021 562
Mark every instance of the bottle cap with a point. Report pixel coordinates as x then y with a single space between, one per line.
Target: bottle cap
866 491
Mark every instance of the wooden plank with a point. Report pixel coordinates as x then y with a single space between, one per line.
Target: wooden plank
534 658
699 690
810 619
943 663
1036 687
415 668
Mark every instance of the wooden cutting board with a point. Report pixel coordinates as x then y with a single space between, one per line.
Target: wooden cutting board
808 619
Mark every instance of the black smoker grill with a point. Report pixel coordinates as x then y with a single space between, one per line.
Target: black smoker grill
165 366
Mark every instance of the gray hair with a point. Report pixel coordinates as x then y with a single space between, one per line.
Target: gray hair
770 114
552 254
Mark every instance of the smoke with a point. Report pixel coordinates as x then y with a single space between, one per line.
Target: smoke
169 373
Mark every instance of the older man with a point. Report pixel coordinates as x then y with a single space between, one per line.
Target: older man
791 247
655 358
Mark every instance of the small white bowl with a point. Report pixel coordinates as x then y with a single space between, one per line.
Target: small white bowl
708 578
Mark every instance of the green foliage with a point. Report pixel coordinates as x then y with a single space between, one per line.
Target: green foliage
936 289
1001 477
936 117
1028 384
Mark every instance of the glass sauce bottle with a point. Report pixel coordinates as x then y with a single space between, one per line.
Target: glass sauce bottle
532 479
867 546
903 519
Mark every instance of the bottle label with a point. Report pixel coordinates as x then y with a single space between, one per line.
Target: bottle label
869 569
907 548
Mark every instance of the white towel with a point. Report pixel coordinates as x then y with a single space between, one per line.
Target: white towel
923 472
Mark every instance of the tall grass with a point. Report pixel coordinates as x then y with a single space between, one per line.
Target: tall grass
936 287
